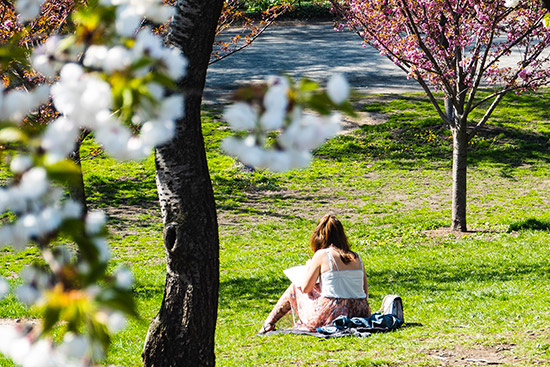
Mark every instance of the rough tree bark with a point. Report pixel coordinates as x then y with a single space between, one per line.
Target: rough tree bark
182 333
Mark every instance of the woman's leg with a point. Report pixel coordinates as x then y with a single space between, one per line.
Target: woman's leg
282 307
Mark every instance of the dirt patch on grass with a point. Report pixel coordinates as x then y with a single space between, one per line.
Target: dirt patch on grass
282 205
363 118
481 356
125 218
448 232
11 322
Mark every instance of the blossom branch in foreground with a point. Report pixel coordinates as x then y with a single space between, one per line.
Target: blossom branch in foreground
119 83
278 108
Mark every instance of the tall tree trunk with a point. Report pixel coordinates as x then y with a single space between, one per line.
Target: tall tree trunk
460 150
182 333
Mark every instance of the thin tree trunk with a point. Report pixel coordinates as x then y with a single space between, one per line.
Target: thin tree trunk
460 150
449 112
182 333
76 188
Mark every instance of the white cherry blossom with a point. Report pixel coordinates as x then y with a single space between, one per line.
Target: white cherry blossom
59 138
175 63
28 9
95 221
16 105
27 294
34 183
511 3
272 119
276 97
124 278
20 164
172 108
19 348
338 89
46 58
41 354
157 132
74 347
71 209
241 116
116 322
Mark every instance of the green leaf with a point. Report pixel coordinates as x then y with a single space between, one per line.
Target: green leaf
13 135
65 171
347 109
164 80
320 103
119 300
127 97
50 318
307 85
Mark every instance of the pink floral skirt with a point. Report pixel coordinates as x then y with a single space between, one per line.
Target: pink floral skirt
311 310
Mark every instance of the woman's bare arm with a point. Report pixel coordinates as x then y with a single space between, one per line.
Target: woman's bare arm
312 273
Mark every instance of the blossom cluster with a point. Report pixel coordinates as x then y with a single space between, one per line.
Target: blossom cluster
38 204
15 104
18 343
130 13
85 99
28 9
117 81
422 38
281 111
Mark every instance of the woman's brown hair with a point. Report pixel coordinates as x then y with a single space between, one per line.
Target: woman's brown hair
330 231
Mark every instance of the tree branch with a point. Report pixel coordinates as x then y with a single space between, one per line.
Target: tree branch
432 99
426 50
391 54
249 42
477 79
518 40
488 114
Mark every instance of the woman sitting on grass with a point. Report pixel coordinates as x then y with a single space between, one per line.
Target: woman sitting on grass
343 288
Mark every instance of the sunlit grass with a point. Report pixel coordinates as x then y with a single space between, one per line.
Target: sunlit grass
390 185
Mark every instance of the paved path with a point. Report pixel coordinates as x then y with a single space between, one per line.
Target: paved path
313 50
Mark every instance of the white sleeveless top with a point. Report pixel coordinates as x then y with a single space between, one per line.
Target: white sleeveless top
342 283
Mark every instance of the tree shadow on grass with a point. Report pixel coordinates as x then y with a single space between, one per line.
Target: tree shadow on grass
511 147
444 279
530 224
139 191
409 144
418 280
271 203
251 289
413 132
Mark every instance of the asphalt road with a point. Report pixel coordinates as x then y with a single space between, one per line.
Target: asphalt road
314 50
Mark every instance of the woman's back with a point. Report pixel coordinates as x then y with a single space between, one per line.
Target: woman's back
337 261
342 280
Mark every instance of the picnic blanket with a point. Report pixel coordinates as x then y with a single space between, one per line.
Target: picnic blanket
361 327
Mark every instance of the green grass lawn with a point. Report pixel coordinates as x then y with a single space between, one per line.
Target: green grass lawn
470 299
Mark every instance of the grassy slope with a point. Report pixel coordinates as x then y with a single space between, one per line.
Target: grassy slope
485 291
